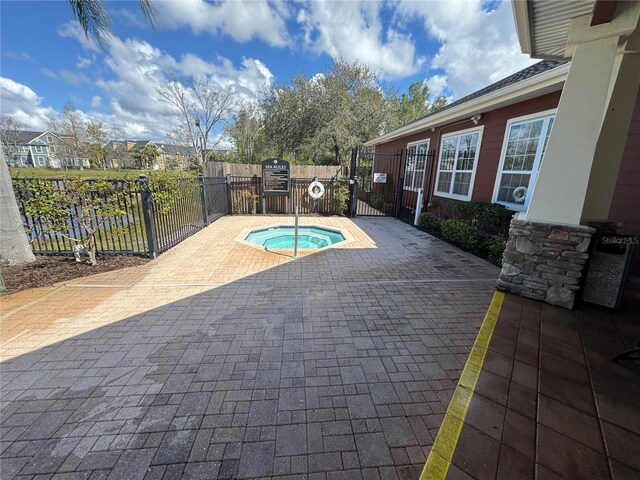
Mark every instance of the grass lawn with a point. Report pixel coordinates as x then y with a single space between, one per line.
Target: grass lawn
87 172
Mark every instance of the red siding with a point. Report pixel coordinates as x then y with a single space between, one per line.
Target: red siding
625 206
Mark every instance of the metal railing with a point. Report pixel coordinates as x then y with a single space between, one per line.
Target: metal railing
147 227
246 197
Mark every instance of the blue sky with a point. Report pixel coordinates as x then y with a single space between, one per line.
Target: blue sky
455 46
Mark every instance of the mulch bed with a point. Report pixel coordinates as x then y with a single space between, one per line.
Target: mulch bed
47 270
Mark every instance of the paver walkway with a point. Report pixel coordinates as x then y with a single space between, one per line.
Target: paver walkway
220 360
550 403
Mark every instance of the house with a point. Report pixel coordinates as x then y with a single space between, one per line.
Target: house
123 154
557 142
26 148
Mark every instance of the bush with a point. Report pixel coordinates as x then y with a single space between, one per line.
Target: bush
495 248
430 221
464 235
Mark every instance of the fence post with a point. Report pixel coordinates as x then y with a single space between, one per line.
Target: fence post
418 206
147 211
399 192
203 200
229 195
353 184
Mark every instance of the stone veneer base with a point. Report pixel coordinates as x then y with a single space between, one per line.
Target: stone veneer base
545 261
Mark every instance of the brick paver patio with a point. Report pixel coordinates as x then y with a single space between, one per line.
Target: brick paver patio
219 360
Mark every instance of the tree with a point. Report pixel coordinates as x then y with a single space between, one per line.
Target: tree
10 138
180 149
89 204
72 129
96 140
14 245
327 114
414 104
116 150
146 156
95 21
200 108
247 133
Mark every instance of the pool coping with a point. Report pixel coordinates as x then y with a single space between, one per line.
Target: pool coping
240 238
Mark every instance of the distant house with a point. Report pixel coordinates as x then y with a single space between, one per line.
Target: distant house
42 149
123 154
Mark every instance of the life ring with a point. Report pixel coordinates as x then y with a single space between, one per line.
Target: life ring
519 194
315 190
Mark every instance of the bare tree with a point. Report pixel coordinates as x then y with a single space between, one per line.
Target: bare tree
201 108
72 129
117 151
180 148
10 138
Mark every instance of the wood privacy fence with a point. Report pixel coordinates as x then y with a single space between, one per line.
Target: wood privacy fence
246 197
221 169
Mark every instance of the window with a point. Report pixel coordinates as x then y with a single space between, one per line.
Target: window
39 149
23 160
524 145
456 165
416 163
49 139
52 148
41 161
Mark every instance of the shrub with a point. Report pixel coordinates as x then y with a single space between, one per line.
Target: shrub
430 221
495 247
466 236
341 196
493 218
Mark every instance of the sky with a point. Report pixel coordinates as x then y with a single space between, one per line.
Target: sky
455 46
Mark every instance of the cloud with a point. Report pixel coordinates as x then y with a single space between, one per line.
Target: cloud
20 56
478 45
137 70
242 21
21 103
96 101
72 29
437 85
354 31
84 62
66 76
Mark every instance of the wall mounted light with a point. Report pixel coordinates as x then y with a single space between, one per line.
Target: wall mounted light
476 118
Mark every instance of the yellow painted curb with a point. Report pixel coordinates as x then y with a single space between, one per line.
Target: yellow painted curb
441 454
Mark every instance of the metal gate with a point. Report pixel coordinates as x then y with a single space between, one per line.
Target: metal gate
386 182
377 177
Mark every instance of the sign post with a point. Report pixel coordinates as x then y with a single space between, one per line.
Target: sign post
276 180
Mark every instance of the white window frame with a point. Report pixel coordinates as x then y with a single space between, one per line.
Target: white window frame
39 149
426 141
49 138
455 196
41 161
536 163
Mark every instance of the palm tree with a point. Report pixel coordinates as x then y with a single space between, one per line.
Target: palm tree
95 21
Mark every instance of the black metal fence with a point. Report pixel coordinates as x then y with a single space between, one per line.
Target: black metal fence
150 224
246 197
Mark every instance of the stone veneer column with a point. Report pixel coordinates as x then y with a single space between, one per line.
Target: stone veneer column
545 261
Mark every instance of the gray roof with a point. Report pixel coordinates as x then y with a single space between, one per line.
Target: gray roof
517 77
26 136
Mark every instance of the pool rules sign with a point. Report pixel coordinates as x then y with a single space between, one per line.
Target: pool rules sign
276 177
